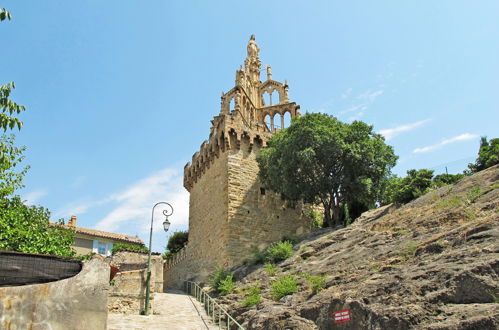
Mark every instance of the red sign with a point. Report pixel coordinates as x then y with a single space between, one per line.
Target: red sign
342 316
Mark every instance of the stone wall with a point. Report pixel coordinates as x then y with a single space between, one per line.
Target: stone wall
128 289
208 225
79 302
257 216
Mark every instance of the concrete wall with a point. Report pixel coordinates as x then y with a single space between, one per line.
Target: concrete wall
79 302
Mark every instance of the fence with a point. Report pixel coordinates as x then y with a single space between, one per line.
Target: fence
212 308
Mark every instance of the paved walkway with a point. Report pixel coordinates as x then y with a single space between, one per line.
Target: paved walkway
172 310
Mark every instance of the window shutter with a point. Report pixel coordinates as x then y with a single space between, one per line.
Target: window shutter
95 246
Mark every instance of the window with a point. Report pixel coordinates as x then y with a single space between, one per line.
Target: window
102 248
262 191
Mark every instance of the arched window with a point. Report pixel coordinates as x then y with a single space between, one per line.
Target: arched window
277 121
266 99
275 97
232 105
267 122
287 119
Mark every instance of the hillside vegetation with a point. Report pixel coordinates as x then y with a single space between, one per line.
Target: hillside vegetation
429 264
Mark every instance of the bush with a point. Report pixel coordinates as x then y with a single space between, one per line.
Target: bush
269 269
226 286
253 298
283 286
279 251
274 253
219 275
316 283
127 246
316 219
291 239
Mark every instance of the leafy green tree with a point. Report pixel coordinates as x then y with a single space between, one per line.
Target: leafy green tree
404 190
27 229
22 228
445 179
8 108
322 160
177 241
488 155
10 179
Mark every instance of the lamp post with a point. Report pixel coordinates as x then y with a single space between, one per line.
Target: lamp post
166 225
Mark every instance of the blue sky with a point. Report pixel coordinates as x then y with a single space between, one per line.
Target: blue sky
120 94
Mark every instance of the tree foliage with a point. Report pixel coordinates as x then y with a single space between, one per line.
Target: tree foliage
10 176
27 229
488 155
22 228
404 190
321 160
177 241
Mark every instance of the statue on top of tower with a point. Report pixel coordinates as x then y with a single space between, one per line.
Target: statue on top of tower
253 48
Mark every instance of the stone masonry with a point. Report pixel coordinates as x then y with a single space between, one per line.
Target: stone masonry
230 211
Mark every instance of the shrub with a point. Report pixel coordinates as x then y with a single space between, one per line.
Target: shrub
127 246
253 298
258 256
316 219
291 239
216 278
283 286
316 283
168 255
279 251
226 286
270 269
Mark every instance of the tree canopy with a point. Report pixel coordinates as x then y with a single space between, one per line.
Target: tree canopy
177 241
22 228
322 160
488 155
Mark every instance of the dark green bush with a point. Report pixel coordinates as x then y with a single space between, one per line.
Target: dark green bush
226 285
279 251
253 297
217 278
283 286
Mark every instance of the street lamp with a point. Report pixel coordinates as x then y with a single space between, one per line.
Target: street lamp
166 225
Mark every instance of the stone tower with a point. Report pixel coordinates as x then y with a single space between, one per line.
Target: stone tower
230 212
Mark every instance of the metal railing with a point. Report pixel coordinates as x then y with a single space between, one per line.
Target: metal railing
212 308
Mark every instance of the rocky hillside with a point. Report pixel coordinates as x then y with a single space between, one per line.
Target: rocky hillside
430 264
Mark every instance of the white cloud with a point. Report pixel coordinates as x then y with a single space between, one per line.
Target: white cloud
78 208
135 202
390 133
462 137
361 103
33 197
371 96
346 93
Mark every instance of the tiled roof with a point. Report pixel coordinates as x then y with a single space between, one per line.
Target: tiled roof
99 233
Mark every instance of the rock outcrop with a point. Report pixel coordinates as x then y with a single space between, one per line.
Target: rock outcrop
430 264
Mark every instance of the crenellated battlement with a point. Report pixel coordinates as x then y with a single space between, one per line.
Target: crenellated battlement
244 114
230 211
